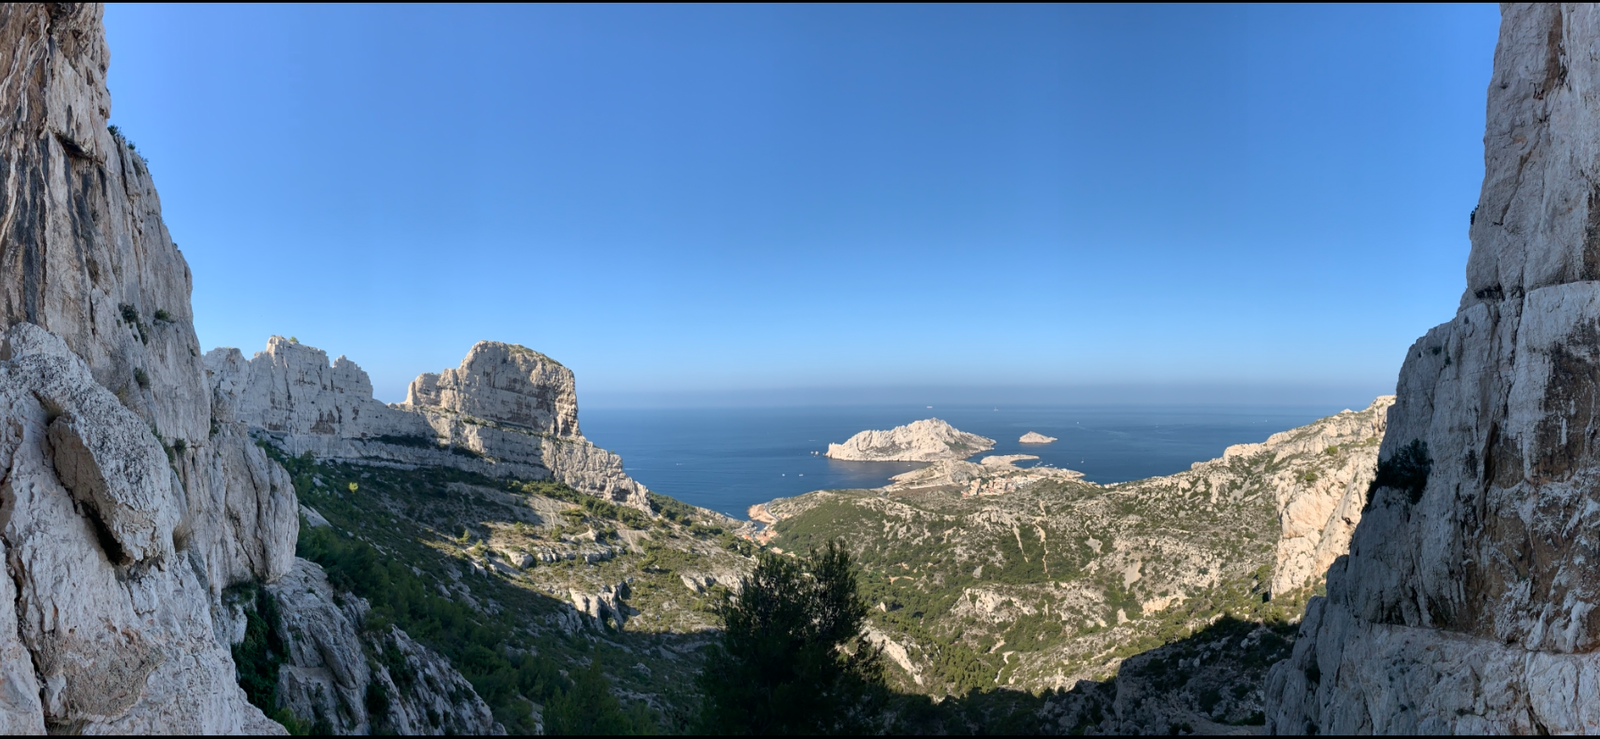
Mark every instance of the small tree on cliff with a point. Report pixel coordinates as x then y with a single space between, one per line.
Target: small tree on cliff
793 657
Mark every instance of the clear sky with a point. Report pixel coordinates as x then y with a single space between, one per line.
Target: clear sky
713 204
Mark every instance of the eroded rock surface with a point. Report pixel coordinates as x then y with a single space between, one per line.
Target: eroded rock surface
1467 602
129 505
507 411
113 561
928 440
334 666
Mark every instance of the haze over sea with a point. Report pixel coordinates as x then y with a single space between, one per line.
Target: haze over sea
728 459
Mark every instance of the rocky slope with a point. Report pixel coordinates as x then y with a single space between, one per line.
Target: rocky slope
133 500
990 576
537 583
507 411
1467 602
928 440
340 675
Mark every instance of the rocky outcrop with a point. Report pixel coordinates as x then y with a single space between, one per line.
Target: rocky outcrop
130 500
354 680
114 560
1006 461
605 608
928 440
1034 437
1319 507
507 411
1468 600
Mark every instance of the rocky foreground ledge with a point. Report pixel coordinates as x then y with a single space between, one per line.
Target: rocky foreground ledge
928 440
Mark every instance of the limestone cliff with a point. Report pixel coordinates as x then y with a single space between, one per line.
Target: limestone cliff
928 440
507 411
128 505
132 497
1468 600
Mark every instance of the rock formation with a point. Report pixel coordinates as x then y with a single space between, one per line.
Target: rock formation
1034 437
1319 509
507 411
1467 603
333 663
132 496
1005 460
130 500
928 440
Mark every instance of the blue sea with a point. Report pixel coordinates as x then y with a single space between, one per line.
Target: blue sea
728 459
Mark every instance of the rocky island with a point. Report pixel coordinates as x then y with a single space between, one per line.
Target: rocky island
1034 437
928 440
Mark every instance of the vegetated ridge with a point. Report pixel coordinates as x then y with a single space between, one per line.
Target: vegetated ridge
987 577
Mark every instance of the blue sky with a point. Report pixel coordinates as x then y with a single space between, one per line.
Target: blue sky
798 203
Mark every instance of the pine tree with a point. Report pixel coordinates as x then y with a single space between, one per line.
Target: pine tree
793 657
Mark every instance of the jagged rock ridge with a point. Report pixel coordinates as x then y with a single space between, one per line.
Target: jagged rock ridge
507 411
1467 602
928 440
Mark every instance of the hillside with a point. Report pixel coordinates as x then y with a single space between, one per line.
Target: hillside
1040 580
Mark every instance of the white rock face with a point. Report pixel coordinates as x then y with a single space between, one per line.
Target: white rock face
1467 603
328 671
131 501
928 440
1319 511
507 411
606 608
1034 437
110 566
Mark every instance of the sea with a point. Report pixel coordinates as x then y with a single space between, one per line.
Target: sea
728 459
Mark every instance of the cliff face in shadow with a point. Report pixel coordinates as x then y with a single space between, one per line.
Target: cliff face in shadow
1467 602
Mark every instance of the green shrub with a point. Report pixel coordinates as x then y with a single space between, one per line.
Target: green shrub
141 377
792 656
262 652
1405 470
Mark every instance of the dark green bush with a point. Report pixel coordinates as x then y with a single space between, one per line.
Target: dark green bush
1405 470
792 657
